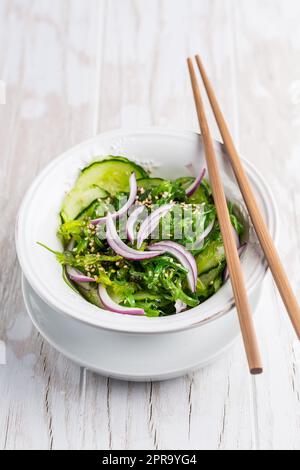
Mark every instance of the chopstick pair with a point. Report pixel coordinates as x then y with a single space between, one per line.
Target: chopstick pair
267 244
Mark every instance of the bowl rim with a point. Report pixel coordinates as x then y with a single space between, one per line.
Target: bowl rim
183 321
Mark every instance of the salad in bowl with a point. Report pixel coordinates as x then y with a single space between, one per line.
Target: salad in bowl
141 245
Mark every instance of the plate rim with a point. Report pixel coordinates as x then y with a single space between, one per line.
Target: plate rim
134 377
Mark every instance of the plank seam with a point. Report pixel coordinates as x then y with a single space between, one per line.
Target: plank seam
233 21
99 65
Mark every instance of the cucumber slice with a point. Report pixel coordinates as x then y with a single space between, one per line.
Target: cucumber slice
211 257
111 175
210 282
185 181
93 211
202 194
67 280
115 157
150 183
79 199
90 293
138 168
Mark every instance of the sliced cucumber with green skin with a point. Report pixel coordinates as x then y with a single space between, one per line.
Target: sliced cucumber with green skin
67 279
92 211
185 181
90 293
120 159
111 175
79 199
138 168
210 282
200 195
149 183
211 257
115 157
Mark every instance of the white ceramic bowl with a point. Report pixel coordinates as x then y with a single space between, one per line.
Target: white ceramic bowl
167 151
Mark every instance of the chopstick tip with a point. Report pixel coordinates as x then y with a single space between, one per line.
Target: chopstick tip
198 59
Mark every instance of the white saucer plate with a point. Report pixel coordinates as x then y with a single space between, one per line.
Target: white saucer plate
130 356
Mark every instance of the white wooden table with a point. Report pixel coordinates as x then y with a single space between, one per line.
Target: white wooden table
74 68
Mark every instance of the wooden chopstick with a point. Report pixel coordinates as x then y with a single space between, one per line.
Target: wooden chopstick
259 224
232 257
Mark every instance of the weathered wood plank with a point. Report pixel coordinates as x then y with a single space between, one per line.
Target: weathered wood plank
267 50
49 67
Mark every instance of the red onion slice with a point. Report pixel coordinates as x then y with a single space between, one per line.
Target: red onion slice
121 248
151 222
195 185
183 256
207 232
241 250
77 276
124 209
109 304
131 222
204 234
180 306
190 167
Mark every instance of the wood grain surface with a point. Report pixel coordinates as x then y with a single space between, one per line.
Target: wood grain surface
74 68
